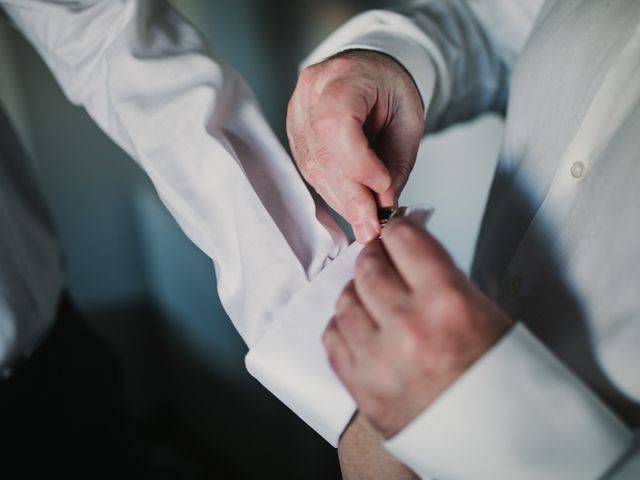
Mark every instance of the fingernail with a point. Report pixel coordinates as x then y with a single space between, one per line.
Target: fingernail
366 230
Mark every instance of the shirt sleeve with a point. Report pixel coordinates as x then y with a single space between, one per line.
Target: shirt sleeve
146 77
459 53
292 348
517 413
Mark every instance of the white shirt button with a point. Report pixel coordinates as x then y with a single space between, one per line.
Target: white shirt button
578 169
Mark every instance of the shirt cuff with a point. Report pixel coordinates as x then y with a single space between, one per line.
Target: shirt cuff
290 359
517 413
396 36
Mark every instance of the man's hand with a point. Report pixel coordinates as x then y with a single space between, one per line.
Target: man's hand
407 326
354 124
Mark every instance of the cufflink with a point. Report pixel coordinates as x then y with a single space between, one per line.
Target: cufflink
419 214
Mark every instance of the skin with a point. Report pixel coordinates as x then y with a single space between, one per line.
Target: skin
410 323
407 326
362 456
354 125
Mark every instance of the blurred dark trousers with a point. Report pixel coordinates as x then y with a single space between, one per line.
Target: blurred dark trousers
62 410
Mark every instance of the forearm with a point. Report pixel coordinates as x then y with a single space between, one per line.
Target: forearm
362 455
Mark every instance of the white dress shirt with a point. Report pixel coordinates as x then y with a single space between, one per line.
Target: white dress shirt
559 396
191 123
148 80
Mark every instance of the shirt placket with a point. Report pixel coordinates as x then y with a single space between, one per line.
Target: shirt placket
609 108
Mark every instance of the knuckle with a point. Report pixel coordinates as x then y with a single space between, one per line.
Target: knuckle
367 267
291 134
292 125
298 146
339 319
307 78
333 91
344 322
329 335
406 319
291 107
378 364
326 335
336 366
409 339
343 303
354 205
448 302
327 343
323 157
347 298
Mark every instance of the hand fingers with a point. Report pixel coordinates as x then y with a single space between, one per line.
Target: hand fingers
340 357
349 144
357 205
360 209
352 200
338 121
353 322
312 172
415 253
398 149
398 143
340 150
378 284
354 134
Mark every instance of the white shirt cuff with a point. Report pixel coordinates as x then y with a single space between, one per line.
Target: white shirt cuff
290 360
394 35
517 413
